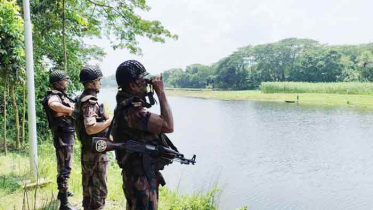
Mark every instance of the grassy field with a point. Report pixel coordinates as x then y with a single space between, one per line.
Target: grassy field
315 99
15 170
346 88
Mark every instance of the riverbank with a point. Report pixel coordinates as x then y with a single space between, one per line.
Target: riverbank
364 102
15 171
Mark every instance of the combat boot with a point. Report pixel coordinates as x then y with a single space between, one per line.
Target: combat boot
65 205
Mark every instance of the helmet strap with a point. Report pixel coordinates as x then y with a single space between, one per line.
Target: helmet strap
91 85
59 86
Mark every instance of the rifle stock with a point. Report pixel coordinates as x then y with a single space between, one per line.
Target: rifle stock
104 144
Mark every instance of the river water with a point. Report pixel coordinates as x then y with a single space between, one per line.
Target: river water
272 155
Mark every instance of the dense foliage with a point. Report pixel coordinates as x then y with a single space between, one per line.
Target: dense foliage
11 62
301 60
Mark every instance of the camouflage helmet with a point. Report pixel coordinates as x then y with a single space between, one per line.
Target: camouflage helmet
129 71
89 73
57 75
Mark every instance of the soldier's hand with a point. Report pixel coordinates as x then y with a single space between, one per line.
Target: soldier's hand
107 116
157 83
108 121
70 111
110 118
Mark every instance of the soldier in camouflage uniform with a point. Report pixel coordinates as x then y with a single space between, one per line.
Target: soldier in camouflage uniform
133 122
59 108
92 121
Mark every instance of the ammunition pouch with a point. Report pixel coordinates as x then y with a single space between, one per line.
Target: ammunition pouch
161 163
64 125
160 179
152 166
66 129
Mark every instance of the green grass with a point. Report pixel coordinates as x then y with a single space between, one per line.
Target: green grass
198 201
361 102
348 88
15 170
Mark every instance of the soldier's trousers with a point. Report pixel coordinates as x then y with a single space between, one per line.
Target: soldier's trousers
64 158
140 194
94 180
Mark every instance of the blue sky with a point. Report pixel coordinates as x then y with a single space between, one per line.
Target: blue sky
212 29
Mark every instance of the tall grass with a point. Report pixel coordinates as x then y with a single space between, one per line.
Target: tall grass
198 201
351 88
15 170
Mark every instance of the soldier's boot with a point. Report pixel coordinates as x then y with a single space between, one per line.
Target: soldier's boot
65 205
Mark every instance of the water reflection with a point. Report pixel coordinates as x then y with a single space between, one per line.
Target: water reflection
273 155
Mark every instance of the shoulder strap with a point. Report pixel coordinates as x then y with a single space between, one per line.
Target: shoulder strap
77 116
47 109
124 104
88 97
169 142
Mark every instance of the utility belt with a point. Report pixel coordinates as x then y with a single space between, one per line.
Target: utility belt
63 125
87 140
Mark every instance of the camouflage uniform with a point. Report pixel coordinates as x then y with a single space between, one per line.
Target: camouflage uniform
94 165
63 136
135 123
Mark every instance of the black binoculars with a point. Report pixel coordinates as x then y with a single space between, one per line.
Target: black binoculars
148 81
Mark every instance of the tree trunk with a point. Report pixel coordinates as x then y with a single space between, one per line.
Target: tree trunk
16 115
24 116
64 36
4 125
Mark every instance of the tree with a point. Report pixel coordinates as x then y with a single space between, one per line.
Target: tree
199 75
365 65
172 77
11 54
231 73
276 61
319 65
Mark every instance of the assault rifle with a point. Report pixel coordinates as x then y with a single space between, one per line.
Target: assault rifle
103 144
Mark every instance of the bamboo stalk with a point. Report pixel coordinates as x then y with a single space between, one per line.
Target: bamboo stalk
16 115
64 35
5 100
23 117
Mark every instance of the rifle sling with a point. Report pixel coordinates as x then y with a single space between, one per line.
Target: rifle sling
169 142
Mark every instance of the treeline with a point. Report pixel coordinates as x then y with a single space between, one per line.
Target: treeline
296 60
58 31
109 81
